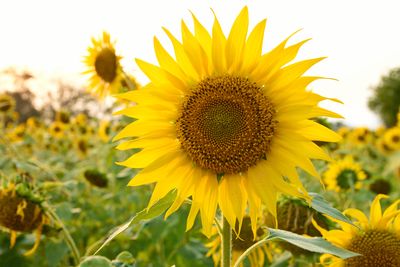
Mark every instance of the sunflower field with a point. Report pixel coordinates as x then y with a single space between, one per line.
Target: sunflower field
224 158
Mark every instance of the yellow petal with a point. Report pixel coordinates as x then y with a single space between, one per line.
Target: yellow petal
145 157
253 47
218 47
167 62
237 38
376 210
182 58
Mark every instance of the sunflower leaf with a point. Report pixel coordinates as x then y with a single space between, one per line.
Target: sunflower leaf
314 244
321 205
145 214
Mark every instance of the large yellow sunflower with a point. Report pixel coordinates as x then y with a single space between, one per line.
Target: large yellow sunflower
377 239
224 123
344 174
103 66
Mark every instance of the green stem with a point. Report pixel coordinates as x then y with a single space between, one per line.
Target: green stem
226 243
249 250
68 238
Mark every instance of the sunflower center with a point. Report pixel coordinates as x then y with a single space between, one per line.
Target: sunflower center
226 124
395 138
346 179
106 65
378 248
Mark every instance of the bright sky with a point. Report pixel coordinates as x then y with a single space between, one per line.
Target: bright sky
360 37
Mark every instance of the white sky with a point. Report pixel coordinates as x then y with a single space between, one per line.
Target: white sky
360 38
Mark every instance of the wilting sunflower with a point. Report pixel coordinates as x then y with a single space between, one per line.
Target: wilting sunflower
381 186
7 103
295 216
241 243
377 239
19 214
103 66
96 178
344 174
224 123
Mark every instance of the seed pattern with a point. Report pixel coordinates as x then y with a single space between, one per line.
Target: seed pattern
226 124
379 248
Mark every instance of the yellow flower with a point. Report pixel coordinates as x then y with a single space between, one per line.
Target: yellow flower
392 138
360 136
380 131
103 66
383 147
81 119
63 116
82 146
19 214
105 131
7 103
57 129
377 239
17 133
224 123
344 174
343 132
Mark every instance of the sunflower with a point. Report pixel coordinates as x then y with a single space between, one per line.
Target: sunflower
105 131
360 136
82 146
344 174
7 103
57 129
392 138
241 243
224 123
377 239
383 147
63 116
380 131
17 133
103 66
20 214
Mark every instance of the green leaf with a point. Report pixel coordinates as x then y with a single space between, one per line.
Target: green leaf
156 210
321 205
96 261
314 244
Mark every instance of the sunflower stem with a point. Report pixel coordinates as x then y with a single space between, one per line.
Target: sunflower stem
226 243
68 238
